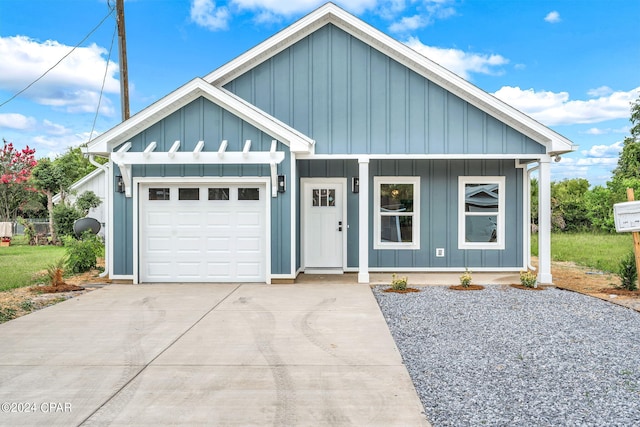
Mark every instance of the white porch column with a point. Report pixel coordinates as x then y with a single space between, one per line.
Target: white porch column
363 220
544 221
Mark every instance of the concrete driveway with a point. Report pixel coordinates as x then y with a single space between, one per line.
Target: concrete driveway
204 354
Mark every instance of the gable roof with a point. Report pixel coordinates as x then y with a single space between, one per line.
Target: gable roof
106 142
332 14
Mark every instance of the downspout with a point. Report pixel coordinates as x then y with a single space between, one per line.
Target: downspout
533 169
105 169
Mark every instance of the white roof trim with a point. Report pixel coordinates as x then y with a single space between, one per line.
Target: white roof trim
295 140
88 177
330 13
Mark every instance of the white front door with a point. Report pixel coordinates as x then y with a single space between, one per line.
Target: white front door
324 225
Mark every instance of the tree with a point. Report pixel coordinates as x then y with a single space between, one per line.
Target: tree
75 165
629 161
15 169
51 178
569 210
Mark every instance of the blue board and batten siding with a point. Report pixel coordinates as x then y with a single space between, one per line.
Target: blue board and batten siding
438 211
352 99
206 121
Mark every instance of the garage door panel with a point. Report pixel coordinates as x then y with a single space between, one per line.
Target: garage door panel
158 245
202 240
218 244
188 270
155 218
217 219
188 218
248 245
159 270
188 245
249 219
247 270
218 270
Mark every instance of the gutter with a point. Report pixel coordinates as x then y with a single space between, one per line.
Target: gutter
105 169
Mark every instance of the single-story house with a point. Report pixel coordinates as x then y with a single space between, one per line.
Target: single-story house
329 147
93 181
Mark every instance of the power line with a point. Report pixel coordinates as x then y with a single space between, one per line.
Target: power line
111 10
104 79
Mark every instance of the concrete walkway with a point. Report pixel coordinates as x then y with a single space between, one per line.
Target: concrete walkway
203 354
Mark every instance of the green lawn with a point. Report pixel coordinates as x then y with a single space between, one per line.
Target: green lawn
19 262
599 251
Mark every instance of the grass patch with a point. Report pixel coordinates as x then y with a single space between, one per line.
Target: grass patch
598 251
19 262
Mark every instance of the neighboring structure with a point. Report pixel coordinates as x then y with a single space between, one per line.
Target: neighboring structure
93 181
330 147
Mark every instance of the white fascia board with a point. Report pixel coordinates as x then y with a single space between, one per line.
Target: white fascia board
330 13
88 177
106 142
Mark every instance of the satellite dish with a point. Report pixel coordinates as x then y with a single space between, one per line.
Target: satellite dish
86 224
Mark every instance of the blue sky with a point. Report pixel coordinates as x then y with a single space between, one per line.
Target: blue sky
574 65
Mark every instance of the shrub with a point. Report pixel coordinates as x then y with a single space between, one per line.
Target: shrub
528 279
29 230
465 279
86 201
398 283
82 253
55 272
63 218
628 272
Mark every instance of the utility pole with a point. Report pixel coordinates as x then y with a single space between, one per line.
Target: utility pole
122 50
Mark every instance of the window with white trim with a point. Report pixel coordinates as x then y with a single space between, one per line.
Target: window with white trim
481 207
396 215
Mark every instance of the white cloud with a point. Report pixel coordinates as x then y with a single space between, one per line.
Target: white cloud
428 13
54 128
73 85
600 91
592 161
604 151
596 131
567 168
207 15
289 7
409 23
605 131
17 121
552 17
556 108
458 61
59 143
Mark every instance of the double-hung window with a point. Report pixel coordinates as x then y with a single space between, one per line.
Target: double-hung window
396 212
481 208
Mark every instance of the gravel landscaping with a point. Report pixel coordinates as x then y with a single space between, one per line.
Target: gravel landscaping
509 357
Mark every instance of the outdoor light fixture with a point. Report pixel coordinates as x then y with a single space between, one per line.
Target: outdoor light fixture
119 184
282 186
355 184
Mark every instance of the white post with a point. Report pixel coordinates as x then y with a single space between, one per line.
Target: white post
363 219
544 221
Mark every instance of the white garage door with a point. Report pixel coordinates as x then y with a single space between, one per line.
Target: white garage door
202 233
